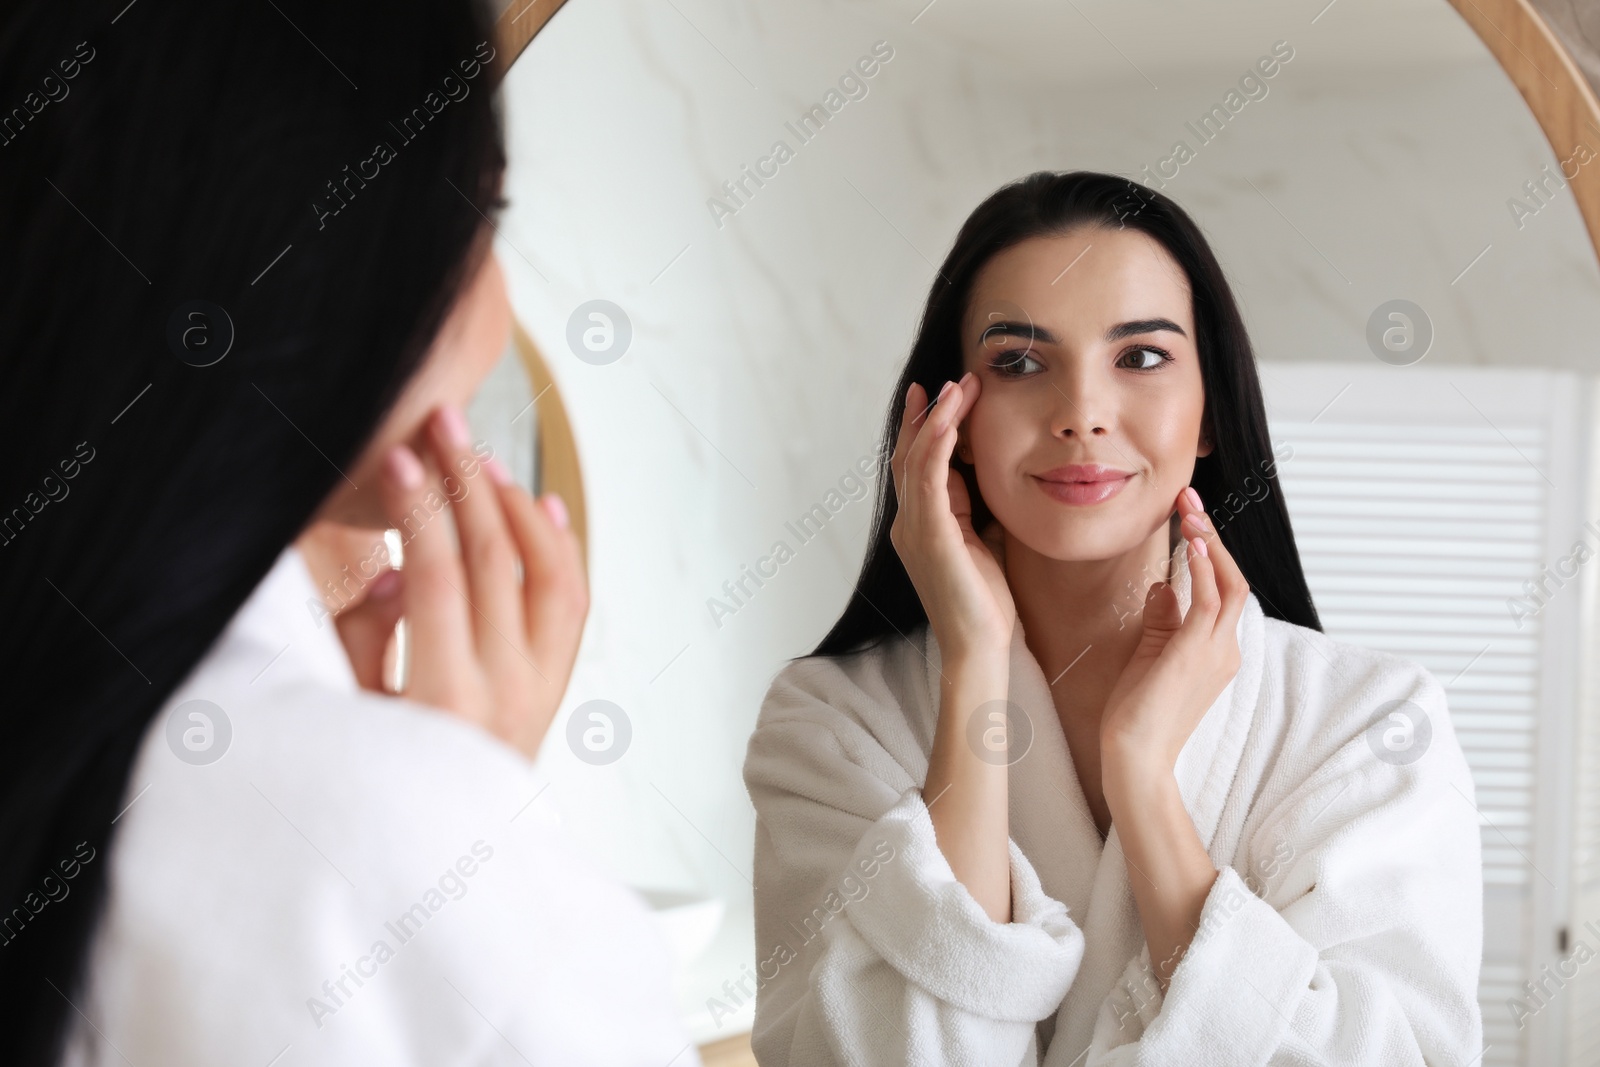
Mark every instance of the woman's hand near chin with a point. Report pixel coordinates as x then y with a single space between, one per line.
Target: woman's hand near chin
960 583
1180 667
1182 664
487 644
970 610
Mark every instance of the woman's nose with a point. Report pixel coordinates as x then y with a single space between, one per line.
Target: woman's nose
1079 408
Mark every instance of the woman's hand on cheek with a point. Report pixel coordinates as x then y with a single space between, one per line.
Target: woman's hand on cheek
960 583
1181 664
487 644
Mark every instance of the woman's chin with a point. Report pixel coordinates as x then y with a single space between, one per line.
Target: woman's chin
1083 540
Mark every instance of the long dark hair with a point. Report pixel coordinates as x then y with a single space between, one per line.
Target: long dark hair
1237 481
172 173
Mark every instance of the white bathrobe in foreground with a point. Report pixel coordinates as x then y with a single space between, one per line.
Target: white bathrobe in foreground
1344 926
357 880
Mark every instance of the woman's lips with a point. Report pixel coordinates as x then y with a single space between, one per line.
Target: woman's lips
1082 485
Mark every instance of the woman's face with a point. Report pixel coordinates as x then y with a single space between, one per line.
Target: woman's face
466 348
1084 344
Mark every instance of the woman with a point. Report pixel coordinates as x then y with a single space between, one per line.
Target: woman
248 286
1076 778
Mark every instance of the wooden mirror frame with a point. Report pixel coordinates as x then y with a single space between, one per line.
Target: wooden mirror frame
1556 91
556 448
515 29
1519 38
556 451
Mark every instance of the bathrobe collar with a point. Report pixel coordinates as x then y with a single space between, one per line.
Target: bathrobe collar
1051 821
284 626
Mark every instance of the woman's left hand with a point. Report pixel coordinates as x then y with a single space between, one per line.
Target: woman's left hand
1182 664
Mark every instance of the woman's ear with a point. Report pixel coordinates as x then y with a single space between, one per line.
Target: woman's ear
963 447
1206 443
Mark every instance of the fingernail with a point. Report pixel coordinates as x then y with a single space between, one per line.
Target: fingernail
497 470
404 467
1192 496
942 392
455 426
1200 546
1197 519
556 508
386 585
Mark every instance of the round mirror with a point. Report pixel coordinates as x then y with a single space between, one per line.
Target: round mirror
724 221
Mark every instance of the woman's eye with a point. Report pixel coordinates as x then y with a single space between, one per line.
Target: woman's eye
1013 364
1160 357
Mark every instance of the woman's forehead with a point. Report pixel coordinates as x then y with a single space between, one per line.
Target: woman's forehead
1078 284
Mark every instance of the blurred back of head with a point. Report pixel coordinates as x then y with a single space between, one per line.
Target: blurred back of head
228 234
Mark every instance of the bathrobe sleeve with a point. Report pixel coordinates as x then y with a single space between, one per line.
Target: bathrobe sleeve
363 880
869 950
1351 932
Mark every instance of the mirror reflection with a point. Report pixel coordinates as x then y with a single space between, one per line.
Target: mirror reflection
767 200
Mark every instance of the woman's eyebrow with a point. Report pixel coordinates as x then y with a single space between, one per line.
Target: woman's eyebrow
1128 329
1026 330
1033 332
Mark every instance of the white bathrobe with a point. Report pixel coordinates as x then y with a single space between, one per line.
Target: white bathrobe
357 880
1344 926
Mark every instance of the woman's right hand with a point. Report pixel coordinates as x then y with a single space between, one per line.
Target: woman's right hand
963 589
960 582
486 645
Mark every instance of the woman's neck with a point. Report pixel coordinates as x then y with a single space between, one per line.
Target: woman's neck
1082 619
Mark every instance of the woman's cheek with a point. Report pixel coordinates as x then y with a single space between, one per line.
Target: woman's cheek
986 429
998 487
1179 441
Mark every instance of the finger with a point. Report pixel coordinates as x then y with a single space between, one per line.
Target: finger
488 554
1163 616
1234 587
367 627
955 491
1204 596
971 387
1229 579
1205 601
555 588
969 391
441 633
929 460
916 397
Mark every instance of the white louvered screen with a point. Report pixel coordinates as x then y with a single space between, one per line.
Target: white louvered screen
1422 499
1583 1020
